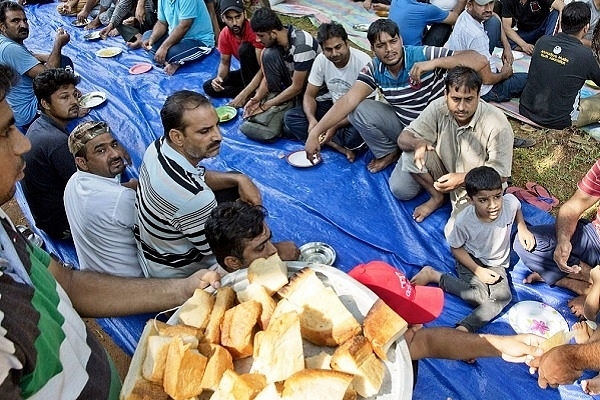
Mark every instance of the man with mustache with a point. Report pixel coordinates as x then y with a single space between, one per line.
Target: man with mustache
14 30
237 40
175 194
49 163
101 209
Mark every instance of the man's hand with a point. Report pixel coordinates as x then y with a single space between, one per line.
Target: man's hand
486 275
506 70
147 44
595 274
202 279
248 191
288 251
62 37
561 255
449 182
251 108
520 348
507 57
105 31
217 84
418 69
527 48
420 152
526 239
161 55
140 14
82 15
555 367
313 148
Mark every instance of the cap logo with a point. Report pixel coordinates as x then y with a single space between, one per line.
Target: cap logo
405 284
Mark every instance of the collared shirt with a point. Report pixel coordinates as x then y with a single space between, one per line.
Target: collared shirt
590 185
173 202
229 44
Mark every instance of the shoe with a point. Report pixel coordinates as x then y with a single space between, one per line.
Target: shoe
34 238
523 142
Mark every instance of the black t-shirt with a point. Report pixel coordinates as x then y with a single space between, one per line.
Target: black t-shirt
559 67
530 15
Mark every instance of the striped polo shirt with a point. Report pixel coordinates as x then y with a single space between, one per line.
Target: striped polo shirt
590 185
173 202
408 101
46 351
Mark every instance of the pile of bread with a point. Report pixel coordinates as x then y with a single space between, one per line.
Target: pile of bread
251 344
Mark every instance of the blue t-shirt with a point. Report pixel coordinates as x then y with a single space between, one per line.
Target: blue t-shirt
21 97
173 11
413 17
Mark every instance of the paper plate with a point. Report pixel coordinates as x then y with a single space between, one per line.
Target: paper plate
537 318
92 99
317 252
298 159
93 36
108 52
226 113
591 84
140 68
517 55
80 24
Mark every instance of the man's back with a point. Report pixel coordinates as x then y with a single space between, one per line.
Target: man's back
413 17
173 12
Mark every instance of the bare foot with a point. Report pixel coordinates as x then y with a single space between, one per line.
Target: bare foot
136 44
581 332
350 155
171 68
425 276
92 25
576 305
379 164
424 210
533 277
114 32
591 386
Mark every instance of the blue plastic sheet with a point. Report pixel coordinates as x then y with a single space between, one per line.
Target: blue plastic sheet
337 202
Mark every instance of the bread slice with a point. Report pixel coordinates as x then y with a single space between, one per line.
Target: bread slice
225 388
196 310
238 328
135 387
270 392
278 351
356 357
183 371
224 300
302 285
350 394
153 368
268 272
383 326
320 361
185 331
219 361
316 384
257 292
285 306
248 386
558 339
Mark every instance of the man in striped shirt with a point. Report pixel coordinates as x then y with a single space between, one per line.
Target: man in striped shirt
408 77
565 250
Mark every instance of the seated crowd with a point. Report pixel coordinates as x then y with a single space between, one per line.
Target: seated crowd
420 106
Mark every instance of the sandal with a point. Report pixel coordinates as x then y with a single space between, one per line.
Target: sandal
523 142
529 197
542 193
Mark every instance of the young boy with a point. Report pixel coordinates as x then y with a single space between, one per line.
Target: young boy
480 243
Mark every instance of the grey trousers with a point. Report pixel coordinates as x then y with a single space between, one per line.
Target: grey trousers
489 300
378 125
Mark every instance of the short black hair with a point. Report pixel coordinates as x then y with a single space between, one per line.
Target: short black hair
49 81
482 178
574 17
265 20
171 113
8 79
232 224
331 30
9 6
382 25
460 76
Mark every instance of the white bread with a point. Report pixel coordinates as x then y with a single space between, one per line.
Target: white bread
350 394
257 292
185 331
383 326
558 339
196 310
356 357
270 392
219 361
238 328
302 285
135 387
278 351
268 272
285 306
183 371
223 392
153 368
320 361
318 384
234 386
224 300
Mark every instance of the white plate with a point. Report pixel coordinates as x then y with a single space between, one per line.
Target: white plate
317 252
298 159
537 318
108 52
92 36
358 299
92 99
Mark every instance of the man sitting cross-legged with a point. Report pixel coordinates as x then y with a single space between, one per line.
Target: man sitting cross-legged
453 135
336 68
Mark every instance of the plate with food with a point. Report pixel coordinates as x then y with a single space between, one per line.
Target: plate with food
317 252
537 318
108 52
92 99
300 160
93 36
140 68
226 113
318 304
80 24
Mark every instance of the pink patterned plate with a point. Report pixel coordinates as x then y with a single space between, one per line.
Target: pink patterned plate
537 318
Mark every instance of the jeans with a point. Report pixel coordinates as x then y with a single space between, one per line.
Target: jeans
237 80
546 28
507 89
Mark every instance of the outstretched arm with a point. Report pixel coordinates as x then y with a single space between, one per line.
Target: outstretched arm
467 58
565 364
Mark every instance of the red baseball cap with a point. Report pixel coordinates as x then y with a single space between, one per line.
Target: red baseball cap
416 304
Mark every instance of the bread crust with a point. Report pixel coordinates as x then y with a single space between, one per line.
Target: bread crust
383 326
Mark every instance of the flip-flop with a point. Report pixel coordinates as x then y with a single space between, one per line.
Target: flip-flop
528 197
542 193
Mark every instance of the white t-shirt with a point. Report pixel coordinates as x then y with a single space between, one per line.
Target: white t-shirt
101 214
593 20
447 5
338 80
487 241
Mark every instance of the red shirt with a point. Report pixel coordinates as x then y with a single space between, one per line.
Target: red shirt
590 185
229 44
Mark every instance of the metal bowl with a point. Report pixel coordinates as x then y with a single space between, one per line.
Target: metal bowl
317 252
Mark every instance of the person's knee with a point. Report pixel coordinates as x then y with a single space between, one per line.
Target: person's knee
208 89
246 49
362 114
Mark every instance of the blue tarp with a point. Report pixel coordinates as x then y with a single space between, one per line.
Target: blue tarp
336 202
